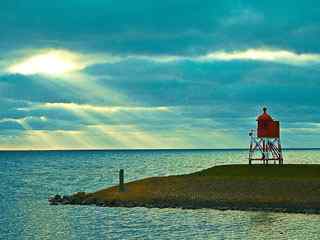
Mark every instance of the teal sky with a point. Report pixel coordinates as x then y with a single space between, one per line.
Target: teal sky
157 74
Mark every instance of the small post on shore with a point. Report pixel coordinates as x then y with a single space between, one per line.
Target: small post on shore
121 180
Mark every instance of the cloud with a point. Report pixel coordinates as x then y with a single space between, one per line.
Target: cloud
38 88
59 62
25 122
242 17
100 109
278 56
267 55
119 74
251 54
142 29
52 62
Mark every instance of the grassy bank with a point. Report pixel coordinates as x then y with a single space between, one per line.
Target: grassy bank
268 187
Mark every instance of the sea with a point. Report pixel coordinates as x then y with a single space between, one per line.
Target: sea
28 178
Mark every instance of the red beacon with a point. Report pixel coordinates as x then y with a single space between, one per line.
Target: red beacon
265 146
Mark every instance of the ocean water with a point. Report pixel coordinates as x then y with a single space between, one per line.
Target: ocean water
28 178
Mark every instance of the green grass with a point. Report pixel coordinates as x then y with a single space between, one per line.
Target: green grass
287 171
295 185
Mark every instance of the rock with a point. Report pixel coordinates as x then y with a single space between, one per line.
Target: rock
76 198
66 200
79 195
100 204
55 199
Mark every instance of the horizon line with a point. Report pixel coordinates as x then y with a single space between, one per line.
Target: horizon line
144 149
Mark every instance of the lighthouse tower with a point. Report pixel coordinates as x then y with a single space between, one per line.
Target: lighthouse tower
265 146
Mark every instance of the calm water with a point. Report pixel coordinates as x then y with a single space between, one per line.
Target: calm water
28 178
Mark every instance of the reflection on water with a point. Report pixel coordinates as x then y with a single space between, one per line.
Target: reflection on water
27 179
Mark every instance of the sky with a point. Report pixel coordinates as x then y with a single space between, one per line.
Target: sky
114 74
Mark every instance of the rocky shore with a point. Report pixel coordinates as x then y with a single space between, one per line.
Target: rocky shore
286 188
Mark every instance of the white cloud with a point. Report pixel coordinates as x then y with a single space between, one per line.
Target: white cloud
58 62
25 121
55 62
281 56
160 59
51 62
100 109
258 54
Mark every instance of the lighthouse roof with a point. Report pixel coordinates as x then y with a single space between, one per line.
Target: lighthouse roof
264 116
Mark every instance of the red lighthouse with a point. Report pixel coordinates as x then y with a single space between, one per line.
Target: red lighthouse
265 146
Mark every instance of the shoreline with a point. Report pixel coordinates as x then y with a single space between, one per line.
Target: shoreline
272 188
267 207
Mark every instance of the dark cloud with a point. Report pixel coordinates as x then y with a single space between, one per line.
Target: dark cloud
162 27
196 83
9 125
34 88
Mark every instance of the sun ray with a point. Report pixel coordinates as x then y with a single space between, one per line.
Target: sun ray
64 69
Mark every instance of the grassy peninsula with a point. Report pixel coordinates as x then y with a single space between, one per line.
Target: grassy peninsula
290 188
